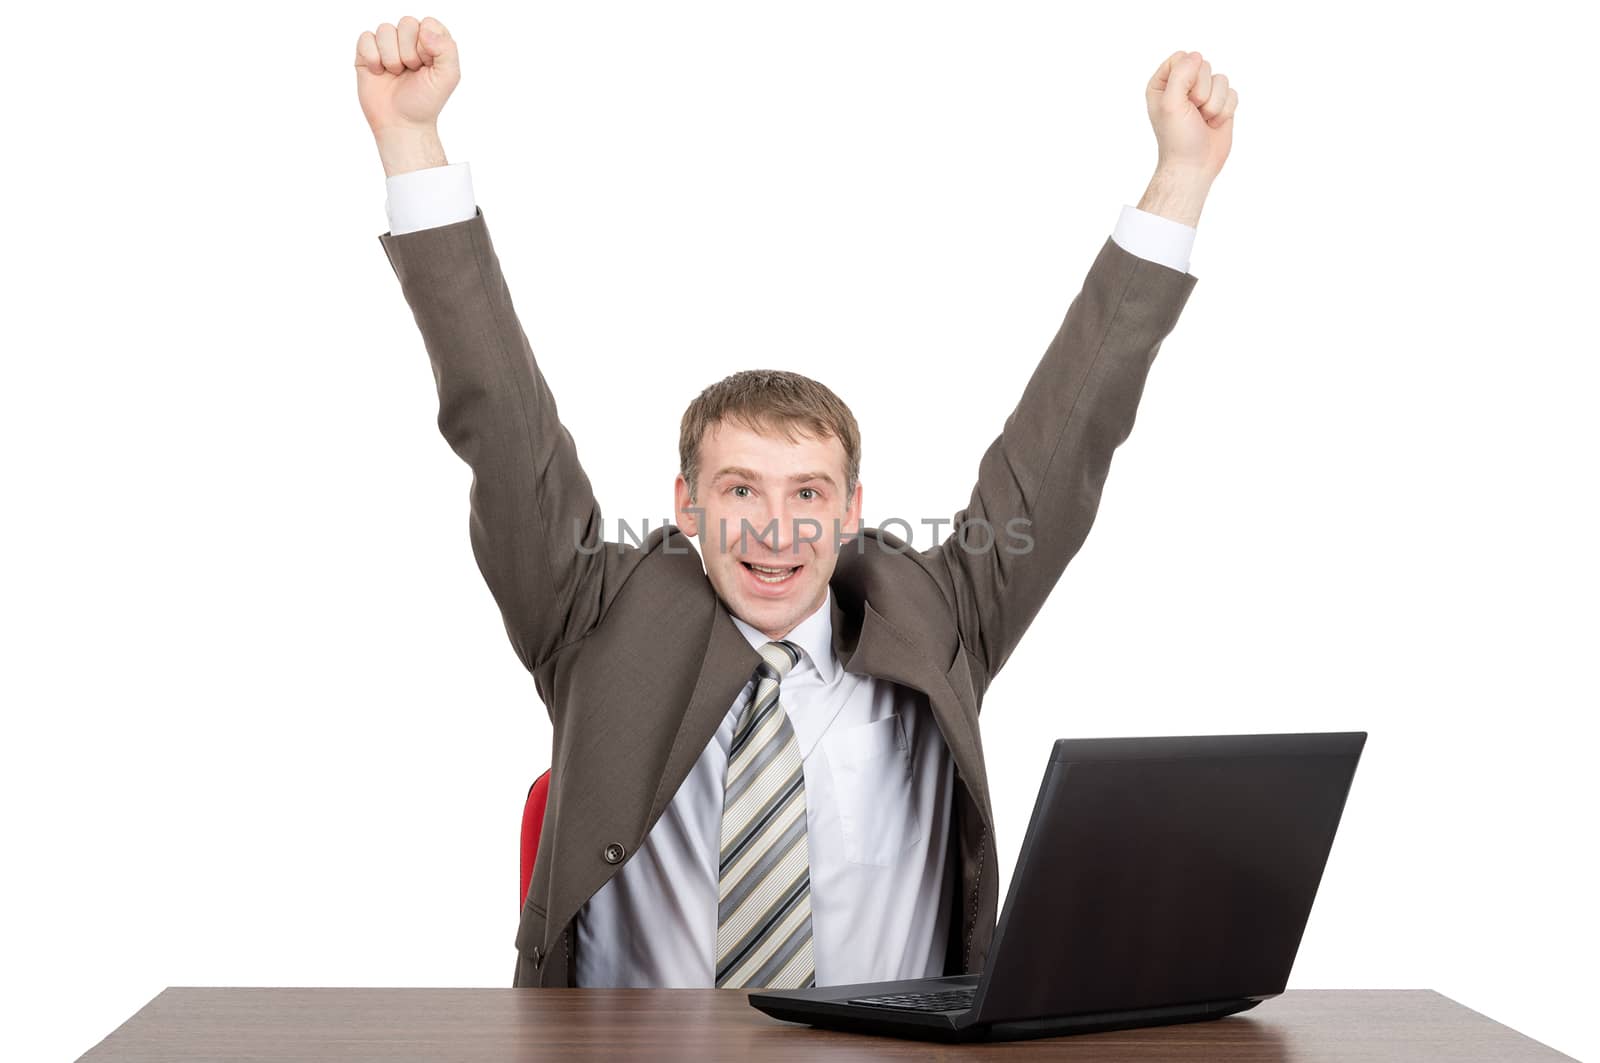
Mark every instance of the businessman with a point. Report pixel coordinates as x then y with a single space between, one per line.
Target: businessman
766 768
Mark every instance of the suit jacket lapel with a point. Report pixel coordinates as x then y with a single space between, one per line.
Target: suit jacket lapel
727 663
874 646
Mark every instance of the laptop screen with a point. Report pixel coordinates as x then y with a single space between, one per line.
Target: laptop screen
1166 871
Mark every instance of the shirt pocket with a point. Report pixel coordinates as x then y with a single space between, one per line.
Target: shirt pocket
871 769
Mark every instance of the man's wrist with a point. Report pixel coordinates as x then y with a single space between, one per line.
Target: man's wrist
407 148
1176 194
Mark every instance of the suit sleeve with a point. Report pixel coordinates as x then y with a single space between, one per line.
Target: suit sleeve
531 505
1039 482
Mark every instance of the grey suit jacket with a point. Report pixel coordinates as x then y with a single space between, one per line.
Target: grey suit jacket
634 655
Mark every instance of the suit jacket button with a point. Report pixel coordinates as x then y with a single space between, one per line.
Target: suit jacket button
614 853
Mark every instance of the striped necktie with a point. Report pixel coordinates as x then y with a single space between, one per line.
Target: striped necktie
764 898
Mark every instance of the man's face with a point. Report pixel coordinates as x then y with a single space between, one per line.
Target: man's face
766 520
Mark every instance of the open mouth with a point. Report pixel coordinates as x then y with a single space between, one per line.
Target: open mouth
770 574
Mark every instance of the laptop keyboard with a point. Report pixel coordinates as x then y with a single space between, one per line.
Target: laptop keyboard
939 1000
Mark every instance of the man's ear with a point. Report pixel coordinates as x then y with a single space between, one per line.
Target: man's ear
851 527
686 512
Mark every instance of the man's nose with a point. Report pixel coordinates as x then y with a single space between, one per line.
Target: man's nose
779 533
780 529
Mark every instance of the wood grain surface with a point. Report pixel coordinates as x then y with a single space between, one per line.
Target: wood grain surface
469 1025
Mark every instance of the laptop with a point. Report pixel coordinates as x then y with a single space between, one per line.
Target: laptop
1162 880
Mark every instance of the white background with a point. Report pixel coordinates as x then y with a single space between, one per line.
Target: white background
262 723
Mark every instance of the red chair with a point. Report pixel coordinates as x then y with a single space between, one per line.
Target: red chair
532 824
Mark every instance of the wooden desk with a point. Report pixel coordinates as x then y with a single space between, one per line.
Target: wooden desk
467 1025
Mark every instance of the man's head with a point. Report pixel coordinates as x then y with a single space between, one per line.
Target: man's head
770 483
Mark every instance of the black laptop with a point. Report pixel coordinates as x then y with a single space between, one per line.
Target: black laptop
1162 880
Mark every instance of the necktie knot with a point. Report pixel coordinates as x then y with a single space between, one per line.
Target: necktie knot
777 658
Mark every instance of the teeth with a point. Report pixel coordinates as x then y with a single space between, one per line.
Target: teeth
771 575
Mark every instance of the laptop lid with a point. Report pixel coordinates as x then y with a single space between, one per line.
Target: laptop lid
1165 871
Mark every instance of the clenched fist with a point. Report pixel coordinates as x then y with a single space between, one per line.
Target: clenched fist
404 75
1192 112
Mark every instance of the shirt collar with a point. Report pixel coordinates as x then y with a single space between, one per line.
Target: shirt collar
814 636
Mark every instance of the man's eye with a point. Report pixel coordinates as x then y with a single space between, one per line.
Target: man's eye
812 495
741 487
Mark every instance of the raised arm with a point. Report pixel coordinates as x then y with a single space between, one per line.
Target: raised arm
1039 482
531 502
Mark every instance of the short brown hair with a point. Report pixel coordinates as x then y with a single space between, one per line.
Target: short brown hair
769 401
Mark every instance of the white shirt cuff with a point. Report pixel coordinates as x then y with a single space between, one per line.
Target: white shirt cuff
431 196
1153 237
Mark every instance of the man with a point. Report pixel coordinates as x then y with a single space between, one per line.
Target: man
767 768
